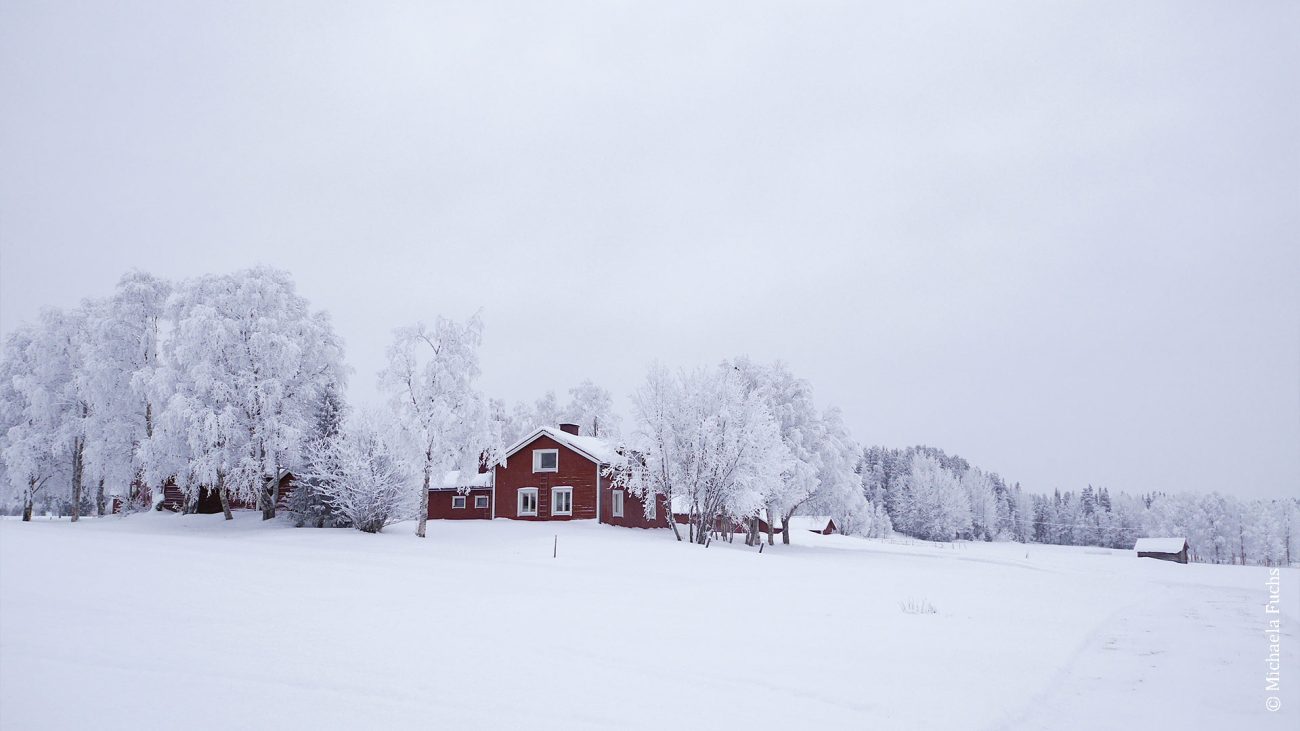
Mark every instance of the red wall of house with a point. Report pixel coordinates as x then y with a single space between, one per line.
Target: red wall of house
440 505
575 471
633 509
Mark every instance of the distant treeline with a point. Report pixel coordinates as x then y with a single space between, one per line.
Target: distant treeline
935 496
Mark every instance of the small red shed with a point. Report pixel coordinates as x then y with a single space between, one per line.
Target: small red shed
822 524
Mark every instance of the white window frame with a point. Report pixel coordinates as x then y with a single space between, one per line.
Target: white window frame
519 502
616 508
486 502
454 498
537 460
557 490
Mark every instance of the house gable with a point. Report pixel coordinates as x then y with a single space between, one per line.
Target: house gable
573 483
586 447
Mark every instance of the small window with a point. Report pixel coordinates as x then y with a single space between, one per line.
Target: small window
618 503
527 501
561 501
654 507
546 460
481 502
457 502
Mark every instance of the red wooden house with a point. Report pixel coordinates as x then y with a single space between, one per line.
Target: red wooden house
551 474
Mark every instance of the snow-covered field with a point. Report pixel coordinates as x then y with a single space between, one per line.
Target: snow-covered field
164 621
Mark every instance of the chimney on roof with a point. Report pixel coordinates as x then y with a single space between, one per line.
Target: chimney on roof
569 429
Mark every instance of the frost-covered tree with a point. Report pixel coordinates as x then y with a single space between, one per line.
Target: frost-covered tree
545 411
707 444
505 423
31 437
592 409
362 475
242 373
430 383
936 507
119 356
838 487
982 497
56 399
806 438
307 502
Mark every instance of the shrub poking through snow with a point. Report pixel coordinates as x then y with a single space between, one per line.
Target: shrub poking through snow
363 477
917 606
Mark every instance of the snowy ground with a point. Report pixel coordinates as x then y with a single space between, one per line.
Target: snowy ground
164 621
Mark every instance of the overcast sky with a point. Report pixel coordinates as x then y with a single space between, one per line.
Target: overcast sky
1061 240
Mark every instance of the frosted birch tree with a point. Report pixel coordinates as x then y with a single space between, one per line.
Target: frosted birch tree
119 355
30 439
243 368
838 490
707 445
58 405
430 384
983 503
789 399
592 409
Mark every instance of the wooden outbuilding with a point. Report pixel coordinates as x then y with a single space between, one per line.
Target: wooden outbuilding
1166 549
209 502
820 524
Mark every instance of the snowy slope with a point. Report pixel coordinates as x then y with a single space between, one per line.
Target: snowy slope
163 621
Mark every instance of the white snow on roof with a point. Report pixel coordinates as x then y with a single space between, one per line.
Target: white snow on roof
1160 545
599 448
596 448
479 479
810 522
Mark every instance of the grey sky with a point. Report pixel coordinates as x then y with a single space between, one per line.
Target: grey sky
1060 239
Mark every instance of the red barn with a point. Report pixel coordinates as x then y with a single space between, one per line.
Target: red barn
551 474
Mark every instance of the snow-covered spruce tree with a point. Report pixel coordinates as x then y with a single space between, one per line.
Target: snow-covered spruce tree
430 383
362 475
243 371
307 502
